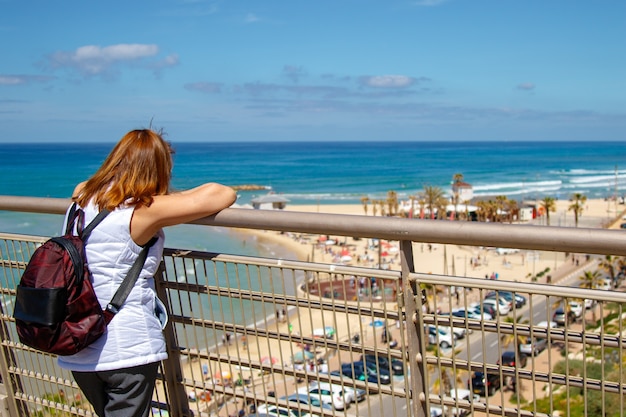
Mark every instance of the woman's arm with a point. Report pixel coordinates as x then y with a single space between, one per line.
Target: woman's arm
179 207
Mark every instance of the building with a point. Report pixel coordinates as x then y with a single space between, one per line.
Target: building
464 190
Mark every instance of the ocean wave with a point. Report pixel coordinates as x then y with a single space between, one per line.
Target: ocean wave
520 184
583 171
606 179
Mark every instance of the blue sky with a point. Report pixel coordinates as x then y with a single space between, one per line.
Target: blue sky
265 70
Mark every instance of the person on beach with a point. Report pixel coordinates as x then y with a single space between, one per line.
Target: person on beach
117 373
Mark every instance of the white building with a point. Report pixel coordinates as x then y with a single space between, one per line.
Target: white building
464 190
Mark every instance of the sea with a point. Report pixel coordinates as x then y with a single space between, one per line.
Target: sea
324 173
319 173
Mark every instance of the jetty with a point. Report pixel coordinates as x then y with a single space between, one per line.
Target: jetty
250 187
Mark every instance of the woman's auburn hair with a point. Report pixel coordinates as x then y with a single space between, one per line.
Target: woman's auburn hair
138 168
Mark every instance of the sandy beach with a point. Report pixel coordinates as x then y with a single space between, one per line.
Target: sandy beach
429 259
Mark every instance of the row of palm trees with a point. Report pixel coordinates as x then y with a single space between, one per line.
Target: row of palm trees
433 204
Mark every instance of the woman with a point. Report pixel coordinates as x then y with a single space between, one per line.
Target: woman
118 371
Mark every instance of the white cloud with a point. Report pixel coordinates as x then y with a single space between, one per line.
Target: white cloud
387 81
526 86
9 79
96 60
205 87
251 18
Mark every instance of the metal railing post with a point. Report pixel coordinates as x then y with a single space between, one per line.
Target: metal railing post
172 370
412 309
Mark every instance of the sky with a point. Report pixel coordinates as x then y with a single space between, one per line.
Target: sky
314 71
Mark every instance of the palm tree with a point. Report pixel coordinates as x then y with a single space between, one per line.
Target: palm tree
457 179
433 196
549 205
512 208
590 280
381 203
608 264
412 198
578 203
507 339
467 215
487 210
392 202
422 202
500 204
365 200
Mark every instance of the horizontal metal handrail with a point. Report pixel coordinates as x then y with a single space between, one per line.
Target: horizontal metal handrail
548 238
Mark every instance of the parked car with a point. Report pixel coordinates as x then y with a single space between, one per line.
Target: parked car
510 358
547 324
471 313
438 336
577 308
561 317
273 410
484 385
485 309
514 298
460 394
332 394
533 346
394 366
458 332
501 304
366 371
304 403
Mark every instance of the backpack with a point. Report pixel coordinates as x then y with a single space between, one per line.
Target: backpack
56 308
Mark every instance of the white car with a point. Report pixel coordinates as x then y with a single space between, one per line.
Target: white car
438 335
332 394
471 313
274 410
460 394
500 304
547 324
459 332
577 308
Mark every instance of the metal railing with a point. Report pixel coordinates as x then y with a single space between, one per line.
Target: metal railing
246 332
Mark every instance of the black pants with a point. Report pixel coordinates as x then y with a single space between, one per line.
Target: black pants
119 393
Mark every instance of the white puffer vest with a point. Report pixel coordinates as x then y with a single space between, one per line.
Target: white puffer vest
134 337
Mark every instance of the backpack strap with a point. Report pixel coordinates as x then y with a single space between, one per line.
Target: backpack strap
86 232
129 282
78 215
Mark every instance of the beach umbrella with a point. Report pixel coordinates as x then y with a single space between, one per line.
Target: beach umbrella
222 375
302 356
269 360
